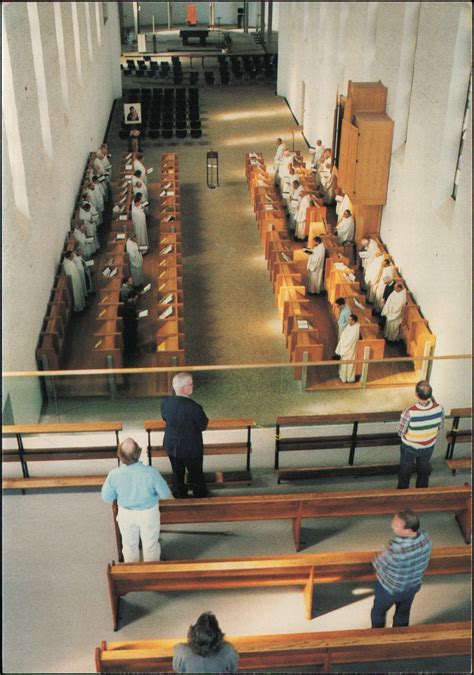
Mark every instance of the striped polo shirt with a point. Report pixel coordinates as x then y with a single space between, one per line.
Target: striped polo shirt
419 424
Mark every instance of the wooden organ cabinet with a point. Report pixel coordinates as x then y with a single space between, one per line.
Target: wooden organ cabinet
364 154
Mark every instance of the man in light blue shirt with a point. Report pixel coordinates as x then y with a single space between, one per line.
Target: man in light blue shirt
344 314
137 489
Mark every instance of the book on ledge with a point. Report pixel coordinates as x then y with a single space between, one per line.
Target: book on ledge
97 344
168 312
149 171
166 300
286 257
125 184
162 193
128 167
167 249
109 271
146 288
143 313
168 185
143 248
120 237
349 276
123 218
170 194
123 199
169 219
302 323
128 156
268 207
89 263
339 266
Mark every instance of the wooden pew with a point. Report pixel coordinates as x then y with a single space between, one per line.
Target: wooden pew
257 652
458 435
338 441
301 570
297 506
24 454
236 447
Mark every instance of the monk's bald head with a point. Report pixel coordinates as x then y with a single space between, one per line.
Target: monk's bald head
129 451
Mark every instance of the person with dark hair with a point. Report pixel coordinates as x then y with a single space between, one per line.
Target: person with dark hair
129 316
127 288
343 316
418 430
206 651
399 569
139 220
137 488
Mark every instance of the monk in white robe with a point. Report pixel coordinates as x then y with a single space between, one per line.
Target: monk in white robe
305 203
139 166
96 216
347 347
139 186
294 202
369 246
139 220
96 196
372 274
80 235
286 182
135 259
283 172
77 291
317 153
392 311
342 203
345 229
91 227
281 147
315 266
77 260
385 277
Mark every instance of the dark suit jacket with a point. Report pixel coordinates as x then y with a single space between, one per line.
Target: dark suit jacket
389 288
185 421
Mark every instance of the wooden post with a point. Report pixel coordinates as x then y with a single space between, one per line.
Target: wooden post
110 377
304 372
114 598
308 594
365 368
297 527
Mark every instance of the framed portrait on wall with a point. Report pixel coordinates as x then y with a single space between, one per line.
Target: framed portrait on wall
132 113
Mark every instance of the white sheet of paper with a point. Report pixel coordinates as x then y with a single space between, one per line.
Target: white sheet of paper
166 313
120 237
166 300
122 217
146 288
128 167
89 263
149 171
143 313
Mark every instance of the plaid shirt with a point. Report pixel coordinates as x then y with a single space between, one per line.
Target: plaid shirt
402 565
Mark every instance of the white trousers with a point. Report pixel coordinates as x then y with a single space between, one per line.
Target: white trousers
136 525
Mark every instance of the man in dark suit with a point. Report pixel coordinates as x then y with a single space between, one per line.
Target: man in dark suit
185 422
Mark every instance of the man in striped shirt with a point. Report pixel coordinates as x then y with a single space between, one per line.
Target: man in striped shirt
418 429
399 569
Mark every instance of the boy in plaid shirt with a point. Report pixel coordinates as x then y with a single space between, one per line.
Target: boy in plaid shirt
399 569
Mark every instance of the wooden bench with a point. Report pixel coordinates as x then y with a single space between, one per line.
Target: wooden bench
242 447
24 454
351 441
457 435
301 570
295 507
301 649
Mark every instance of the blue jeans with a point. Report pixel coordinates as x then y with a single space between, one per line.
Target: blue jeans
409 458
384 600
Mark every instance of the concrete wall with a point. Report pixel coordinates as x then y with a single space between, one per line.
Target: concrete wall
421 52
52 176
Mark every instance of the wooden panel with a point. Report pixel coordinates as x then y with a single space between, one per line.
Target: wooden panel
367 96
373 158
367 220
347 158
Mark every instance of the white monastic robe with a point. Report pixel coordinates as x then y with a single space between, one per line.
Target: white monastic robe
86 249
346 348
278 157
143 189
136 262
77 260
326 180
91 228
342 204
379 289
77 292
293 204
315 267
345 229
371 248
372 276
138 166
317 153
139 225
392 311
96 198
305 203
284 175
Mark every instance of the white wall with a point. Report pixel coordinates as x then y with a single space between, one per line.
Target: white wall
421 52
30 258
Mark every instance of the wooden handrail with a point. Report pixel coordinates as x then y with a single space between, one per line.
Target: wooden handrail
61 428
214 424
344 418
